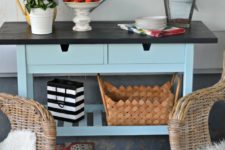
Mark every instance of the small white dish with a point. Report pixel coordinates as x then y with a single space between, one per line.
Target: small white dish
151 22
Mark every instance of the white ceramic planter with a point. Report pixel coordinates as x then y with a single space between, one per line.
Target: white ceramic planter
41 20
82 19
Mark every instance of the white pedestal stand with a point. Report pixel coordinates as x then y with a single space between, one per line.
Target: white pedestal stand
82 11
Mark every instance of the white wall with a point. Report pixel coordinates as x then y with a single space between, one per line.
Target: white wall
211 13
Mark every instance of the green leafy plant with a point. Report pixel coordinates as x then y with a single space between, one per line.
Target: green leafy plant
43 4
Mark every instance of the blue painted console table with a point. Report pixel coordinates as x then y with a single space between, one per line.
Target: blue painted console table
106 49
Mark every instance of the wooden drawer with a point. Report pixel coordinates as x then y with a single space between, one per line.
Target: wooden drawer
135 54
53 54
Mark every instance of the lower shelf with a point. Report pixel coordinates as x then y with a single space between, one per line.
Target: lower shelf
94 124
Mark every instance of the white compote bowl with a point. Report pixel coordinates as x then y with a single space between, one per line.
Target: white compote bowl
82 11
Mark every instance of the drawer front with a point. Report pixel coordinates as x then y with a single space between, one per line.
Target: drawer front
53 54
135 54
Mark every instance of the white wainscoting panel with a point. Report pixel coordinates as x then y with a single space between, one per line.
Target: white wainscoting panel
211 12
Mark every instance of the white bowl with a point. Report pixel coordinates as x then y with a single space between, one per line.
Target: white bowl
151 23
82 10
83 5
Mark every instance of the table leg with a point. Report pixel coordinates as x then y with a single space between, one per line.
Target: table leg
25 80
30 90
188 69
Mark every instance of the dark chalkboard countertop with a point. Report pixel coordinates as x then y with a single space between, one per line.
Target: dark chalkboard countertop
103 32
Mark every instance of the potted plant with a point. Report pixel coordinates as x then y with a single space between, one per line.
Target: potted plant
41 15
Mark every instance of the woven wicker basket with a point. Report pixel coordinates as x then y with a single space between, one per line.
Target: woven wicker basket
188 126
30 115
138 105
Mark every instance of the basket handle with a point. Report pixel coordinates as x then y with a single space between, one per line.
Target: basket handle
101 87
223 74
61 105
173 81
21 7
176 79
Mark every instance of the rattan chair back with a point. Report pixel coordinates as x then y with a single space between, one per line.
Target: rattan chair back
188 126
30 115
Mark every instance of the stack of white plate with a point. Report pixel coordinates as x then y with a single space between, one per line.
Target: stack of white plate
151 22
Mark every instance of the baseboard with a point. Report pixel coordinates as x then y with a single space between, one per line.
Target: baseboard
208 71
8 75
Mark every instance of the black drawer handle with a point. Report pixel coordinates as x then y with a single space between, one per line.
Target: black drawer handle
146 46
64 47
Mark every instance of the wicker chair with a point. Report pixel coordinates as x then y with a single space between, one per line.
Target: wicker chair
30 115
188 126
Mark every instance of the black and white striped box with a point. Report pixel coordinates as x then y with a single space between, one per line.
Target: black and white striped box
66 100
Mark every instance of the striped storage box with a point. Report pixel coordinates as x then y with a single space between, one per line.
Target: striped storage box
66 100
